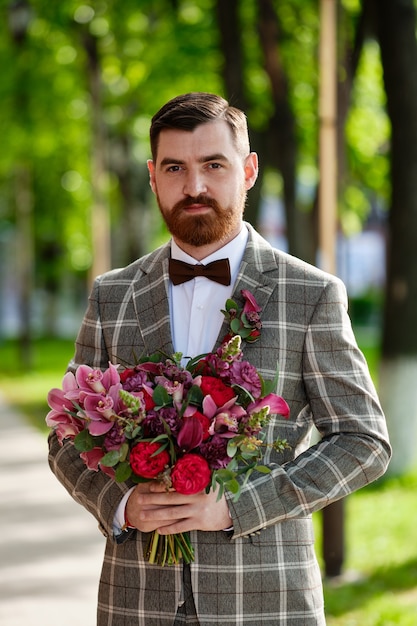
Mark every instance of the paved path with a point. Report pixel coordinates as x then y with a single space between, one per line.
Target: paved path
50 547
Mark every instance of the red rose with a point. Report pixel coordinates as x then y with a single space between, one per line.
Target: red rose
143 462
216 388
191 474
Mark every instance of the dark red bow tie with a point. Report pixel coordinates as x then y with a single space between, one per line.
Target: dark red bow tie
181 272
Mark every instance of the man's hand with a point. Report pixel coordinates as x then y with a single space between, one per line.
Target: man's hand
151 507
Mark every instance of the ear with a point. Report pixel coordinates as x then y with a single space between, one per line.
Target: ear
151 170
251 170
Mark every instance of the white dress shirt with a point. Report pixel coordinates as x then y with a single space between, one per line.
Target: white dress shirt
195 306
195 315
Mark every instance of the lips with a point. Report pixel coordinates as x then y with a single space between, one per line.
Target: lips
197 207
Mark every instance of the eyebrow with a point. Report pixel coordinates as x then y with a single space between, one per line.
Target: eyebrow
218 156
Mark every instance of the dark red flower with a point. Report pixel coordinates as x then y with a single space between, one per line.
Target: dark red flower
144 460
191 474
216 388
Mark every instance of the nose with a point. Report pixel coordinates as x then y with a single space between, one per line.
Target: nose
194 183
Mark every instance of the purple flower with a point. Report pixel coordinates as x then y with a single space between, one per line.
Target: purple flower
176 373
215 452
136 381
244 374
114 438
154 426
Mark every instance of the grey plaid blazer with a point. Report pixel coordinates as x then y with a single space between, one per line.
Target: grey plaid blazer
266 572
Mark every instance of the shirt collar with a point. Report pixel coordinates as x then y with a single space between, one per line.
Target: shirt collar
233 250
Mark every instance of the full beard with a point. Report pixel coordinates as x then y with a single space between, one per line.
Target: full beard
202 230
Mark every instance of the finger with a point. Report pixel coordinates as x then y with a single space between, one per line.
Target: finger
163 498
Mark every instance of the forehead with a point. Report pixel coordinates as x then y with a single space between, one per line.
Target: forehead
203 141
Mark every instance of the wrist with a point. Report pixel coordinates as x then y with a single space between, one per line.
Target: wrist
127 525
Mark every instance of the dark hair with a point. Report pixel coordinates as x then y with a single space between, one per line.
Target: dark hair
189 110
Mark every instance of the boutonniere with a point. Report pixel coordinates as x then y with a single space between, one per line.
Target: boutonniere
246 321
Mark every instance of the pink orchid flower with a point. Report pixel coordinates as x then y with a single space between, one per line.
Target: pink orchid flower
92 459
58 399
225 419
67 426
95 380
101 410
224 424
68 430
173 388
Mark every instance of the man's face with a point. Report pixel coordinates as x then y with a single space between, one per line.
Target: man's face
201 181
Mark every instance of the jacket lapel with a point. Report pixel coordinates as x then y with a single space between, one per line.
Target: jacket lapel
150 298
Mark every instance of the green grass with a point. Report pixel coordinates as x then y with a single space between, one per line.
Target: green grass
379 585
27 388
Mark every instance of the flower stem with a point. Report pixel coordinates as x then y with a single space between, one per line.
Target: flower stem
169 549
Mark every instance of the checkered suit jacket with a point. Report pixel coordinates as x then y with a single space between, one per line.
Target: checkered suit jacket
266 571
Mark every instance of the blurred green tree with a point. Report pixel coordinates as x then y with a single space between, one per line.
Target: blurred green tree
96 71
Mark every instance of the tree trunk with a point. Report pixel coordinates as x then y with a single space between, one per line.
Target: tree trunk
396 28
100 213
281 142
230 31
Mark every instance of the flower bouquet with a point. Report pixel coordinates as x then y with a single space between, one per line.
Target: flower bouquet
195 427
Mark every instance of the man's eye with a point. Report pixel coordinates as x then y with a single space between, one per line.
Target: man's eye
173 168
215 166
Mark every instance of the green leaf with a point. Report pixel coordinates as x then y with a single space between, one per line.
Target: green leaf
244 395
160 449
220 491
124 449
231 304
194 361
158 438
269 386
263 469
195 396
225 474
161 397
246 322
233 486
123 472
232 448
111 459
235 326
84 442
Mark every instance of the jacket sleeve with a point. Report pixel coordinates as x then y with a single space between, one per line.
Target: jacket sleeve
341 401
96 491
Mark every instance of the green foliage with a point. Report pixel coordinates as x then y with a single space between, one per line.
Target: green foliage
27 389
367 142
380 573
145 53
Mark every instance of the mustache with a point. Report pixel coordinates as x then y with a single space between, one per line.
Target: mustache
200 199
